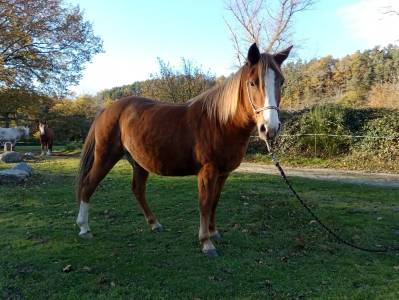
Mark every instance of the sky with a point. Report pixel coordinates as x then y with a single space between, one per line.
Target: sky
136 33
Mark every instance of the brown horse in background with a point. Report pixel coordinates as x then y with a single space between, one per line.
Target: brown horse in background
206 136
46 138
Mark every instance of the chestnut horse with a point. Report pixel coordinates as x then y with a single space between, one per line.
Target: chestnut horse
206 136
46 138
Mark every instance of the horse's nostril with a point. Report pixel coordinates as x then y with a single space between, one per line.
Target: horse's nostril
271 133
262 128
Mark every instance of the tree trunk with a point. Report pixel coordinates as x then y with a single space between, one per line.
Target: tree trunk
7 120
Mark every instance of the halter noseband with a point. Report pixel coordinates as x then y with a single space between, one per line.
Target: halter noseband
256 109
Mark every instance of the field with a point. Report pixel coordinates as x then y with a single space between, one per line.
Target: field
270 247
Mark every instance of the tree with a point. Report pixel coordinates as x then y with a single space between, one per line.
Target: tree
177 86
109 95
71 119
21 107
44 45
259 21
363 78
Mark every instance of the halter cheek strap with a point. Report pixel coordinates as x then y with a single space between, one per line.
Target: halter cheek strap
256 109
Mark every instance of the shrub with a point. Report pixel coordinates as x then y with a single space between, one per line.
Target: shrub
76 145
326 120
337 120
385 126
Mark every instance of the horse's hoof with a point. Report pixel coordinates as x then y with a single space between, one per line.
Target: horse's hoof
156 228
216 236
210 253
87 235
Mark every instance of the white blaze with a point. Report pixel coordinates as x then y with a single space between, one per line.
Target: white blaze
41 129
270 115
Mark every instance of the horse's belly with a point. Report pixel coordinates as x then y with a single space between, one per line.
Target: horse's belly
166 168
165 162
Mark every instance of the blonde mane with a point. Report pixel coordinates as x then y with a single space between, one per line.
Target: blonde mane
221 101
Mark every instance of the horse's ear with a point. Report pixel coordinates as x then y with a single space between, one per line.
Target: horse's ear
282 55
253 54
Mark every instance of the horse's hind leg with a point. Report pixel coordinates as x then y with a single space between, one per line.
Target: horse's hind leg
43 147
102 164
140 176
49 148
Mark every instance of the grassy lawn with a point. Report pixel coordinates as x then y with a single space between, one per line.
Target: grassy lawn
270 246
36 149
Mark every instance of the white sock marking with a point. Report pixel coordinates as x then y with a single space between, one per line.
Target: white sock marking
83 218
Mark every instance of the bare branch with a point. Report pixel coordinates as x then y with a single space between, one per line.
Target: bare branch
260 22
236 45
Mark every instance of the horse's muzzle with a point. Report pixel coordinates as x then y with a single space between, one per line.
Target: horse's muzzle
268 133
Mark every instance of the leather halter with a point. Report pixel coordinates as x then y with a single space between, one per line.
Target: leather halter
256 109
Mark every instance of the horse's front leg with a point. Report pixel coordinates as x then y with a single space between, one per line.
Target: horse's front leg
207 181
214 233
13 143
43 149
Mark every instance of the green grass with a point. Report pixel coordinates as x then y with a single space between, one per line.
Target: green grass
36 148
270 249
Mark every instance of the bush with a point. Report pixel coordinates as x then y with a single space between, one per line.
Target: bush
322 121
76 145
340 121
385 126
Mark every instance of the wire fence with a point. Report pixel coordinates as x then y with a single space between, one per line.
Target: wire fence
317 136
343 135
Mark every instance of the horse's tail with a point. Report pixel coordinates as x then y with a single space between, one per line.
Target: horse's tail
86 159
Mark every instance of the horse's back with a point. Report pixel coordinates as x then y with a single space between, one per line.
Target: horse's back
7 134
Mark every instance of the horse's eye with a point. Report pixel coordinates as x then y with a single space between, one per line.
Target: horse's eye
252 83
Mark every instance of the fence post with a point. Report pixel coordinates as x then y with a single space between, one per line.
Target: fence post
315 145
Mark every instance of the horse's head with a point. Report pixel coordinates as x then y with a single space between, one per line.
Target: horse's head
26 130
42 127
263 83
23 130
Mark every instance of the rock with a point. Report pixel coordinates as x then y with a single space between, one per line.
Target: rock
86 269
12 157
29 156
67 268
23 167
18 174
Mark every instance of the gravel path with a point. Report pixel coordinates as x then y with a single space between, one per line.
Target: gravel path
356 177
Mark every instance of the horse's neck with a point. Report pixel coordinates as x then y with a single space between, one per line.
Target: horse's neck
20 132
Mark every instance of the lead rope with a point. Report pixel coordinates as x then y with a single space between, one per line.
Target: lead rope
328 229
